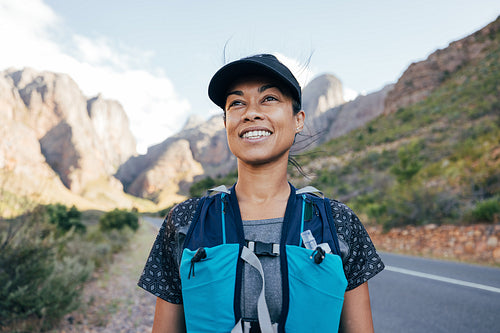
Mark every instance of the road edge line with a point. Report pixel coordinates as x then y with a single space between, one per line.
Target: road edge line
442 279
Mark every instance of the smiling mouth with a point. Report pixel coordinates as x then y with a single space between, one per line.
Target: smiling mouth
255 134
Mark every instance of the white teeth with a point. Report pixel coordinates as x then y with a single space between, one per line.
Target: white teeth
256 134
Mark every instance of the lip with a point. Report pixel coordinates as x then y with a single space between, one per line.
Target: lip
254 128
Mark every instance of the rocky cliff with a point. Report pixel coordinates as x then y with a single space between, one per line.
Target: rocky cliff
423 77
167 169
112 127
321 94
51 131
344 118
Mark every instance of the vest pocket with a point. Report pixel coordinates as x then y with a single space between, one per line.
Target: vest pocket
208 287
316 291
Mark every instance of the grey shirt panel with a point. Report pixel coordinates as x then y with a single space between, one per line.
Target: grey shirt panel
266 231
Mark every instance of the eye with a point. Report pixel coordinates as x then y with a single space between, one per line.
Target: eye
269 99
235 103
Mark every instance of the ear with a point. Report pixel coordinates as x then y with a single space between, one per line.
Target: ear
300 118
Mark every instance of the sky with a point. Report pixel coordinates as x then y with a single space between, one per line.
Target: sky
157 57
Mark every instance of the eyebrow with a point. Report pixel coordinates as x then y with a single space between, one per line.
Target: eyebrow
261 89
235 92
268 86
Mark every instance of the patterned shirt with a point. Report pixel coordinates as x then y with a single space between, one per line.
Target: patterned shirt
161 272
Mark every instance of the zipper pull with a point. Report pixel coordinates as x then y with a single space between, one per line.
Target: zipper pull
198 256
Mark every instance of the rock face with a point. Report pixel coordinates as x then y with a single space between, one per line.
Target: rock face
112 127
322 94
421 78
80 140
168 168
349 116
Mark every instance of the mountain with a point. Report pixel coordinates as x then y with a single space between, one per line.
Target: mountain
60 145
54 137
321 94
342 119
164 173
164 169
423 77
433 155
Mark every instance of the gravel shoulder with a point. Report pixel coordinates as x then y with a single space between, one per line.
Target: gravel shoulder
112 300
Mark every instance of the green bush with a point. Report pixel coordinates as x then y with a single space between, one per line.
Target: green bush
119 219
65 218
413 204
199 188
38 283
486 210
43 270
408 165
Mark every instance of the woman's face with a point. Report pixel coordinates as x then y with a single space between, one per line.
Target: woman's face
260 123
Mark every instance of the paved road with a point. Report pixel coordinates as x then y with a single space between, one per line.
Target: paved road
423 295
156 221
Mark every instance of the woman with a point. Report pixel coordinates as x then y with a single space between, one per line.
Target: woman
261 256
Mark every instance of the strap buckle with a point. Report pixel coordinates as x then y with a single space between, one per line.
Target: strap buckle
264 249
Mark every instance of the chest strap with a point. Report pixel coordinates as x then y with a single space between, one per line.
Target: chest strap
264 249
262 311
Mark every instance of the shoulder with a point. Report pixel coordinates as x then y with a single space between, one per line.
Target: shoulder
183 213
340 210
346 221
359 256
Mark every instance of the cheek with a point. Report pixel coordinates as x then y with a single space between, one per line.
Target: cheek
230 125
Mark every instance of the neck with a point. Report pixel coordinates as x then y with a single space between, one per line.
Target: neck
263 182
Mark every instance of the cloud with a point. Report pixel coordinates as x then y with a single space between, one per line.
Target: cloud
350 94
302 72
31 32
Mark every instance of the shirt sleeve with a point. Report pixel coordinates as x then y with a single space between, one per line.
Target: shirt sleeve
160 276
361 260
161 273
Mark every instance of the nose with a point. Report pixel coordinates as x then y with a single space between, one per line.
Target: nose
253 112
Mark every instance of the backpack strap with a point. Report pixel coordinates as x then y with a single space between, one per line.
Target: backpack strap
262 310
311 190
218 189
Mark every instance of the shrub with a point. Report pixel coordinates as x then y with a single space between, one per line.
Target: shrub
486 210
65 219
408 165
119 219
415 204
38 285
199 188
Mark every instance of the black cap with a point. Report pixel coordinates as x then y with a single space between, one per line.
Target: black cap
265 64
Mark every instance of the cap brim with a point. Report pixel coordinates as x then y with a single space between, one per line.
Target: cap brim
227 75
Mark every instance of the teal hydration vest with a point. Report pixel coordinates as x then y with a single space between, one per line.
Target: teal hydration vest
313 280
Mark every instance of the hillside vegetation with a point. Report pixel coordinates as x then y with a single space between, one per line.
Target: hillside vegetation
437 161
46 257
